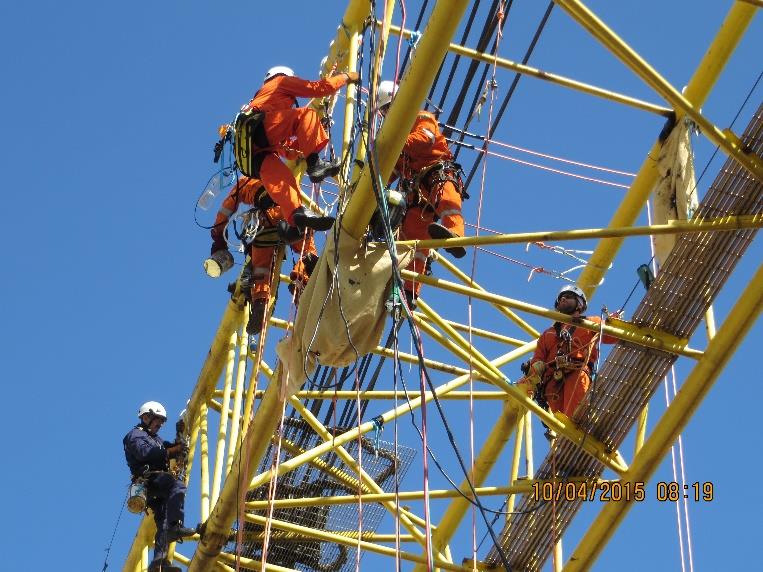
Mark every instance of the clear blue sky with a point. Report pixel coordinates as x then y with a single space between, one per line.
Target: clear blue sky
108 117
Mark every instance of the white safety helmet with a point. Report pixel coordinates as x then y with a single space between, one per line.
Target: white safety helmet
278 70
153 407
582 300
386 92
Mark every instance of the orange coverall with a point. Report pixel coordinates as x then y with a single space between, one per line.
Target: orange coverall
425 147
247 191
290 130
566 394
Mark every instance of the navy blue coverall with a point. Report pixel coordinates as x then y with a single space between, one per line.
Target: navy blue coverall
166 495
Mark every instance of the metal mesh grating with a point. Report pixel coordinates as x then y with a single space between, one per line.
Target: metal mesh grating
327 476
692 276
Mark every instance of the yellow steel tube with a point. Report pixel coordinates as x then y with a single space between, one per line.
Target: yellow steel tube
453 269
414 86
725 139
641 429
483 464
519 487
529 465
616 328
726 223
547 76
406 357
339 539
143 538
222 431
515 458
697 90
204 471
456 337
488 335
719 351
389 395
235 424
251 564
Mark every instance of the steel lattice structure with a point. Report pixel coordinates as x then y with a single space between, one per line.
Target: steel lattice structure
328 465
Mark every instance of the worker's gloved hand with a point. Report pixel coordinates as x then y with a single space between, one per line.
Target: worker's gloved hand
180 426
218 244
535 372
174 451
353 77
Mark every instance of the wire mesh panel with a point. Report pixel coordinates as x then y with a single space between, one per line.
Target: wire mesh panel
325 476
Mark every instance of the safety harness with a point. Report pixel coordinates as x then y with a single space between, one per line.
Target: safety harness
432 178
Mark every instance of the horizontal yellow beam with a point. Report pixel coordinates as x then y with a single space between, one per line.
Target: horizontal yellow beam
519 487
725 223
353 543
389 395
405 357
547 76
486 334
284 536
617 328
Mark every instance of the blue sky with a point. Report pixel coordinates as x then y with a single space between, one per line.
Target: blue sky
109 114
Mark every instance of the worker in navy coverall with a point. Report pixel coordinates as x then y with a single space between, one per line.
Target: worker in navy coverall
148 457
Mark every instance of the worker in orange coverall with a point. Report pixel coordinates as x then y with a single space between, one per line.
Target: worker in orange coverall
250 191
270 126
433 187
565 357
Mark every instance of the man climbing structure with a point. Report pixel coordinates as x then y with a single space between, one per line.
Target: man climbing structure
148 457
433 188
565 357
263 244
271 126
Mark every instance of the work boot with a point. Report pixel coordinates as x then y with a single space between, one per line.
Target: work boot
256 317
318 170
410 297
161 565
179 532
305 219
437 231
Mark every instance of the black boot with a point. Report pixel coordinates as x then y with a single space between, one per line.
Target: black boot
410 297
256 317
304 219
438 231
289 234
162 565
318 170
179 532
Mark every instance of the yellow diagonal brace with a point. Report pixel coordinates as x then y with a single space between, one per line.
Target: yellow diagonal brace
568 429
725 139
615 328
456 271
726 223
547 76
707 73
719 351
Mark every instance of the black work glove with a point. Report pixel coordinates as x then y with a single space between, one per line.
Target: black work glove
175 450
218 244
180 426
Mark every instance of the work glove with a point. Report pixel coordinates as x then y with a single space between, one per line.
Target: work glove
353 77
180 426
174 451
535 372
218 244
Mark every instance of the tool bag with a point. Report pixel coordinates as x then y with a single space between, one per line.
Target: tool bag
250 142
